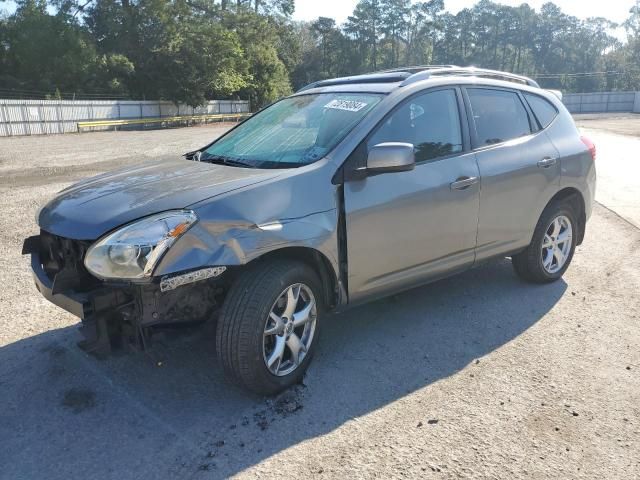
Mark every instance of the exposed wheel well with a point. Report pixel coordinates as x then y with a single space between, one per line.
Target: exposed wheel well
575 198
318 262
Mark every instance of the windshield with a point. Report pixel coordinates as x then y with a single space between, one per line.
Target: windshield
292 132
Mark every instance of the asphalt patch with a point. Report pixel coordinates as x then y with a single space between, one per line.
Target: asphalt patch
79 400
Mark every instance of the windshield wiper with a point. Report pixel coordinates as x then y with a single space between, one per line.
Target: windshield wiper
222 160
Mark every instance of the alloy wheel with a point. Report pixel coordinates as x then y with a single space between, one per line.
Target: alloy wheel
556 244
289 329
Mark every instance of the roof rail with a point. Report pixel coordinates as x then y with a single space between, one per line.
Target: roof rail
417 68
398 74
470 72
378 77
409 75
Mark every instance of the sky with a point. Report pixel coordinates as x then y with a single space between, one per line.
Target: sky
615 10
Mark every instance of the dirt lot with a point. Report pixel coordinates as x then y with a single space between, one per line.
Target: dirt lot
620 123
477 376
618 167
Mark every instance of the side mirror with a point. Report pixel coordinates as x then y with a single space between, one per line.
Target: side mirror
391 157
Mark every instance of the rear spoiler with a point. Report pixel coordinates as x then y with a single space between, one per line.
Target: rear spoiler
557 93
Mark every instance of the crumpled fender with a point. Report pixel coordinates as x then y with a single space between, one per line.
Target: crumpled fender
211 243
298 208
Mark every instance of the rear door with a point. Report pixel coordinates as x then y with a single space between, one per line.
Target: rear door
406 227
518 165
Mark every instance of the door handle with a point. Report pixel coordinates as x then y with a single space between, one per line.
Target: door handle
546 162
463 182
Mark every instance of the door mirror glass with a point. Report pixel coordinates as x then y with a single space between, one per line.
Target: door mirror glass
391 157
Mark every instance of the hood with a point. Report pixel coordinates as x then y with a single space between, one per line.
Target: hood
89 209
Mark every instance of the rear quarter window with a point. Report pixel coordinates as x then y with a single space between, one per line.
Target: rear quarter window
544 111
498 115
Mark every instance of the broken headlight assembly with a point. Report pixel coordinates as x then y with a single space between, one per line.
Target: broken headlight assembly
132 252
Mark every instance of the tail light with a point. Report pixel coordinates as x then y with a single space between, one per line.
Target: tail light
591 146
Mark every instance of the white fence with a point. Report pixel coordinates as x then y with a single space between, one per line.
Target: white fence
602 102
38 117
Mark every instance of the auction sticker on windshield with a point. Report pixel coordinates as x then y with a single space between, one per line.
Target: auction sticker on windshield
349 105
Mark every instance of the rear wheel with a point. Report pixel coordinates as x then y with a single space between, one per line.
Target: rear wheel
269 325
551 249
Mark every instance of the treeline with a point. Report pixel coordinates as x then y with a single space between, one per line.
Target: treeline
193 50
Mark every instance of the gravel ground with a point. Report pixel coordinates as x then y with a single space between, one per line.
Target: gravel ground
619 174
621 123
476 376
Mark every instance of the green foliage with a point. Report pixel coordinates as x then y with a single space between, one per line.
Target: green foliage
179 53
44 52
260 37
193 50
545 44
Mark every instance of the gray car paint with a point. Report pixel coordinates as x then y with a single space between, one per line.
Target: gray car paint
514 190
577 170
296 209
414 226
91 208
246 213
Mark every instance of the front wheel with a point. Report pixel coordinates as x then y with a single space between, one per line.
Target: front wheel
551 249
269 325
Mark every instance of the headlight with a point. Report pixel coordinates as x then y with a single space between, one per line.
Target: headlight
133 251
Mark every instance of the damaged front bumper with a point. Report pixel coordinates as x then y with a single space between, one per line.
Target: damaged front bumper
81 304
97 309
118 314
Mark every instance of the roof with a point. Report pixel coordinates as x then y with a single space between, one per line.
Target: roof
407 75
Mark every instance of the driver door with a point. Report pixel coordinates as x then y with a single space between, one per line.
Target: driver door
404 228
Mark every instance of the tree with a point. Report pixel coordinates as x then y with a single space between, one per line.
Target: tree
179 52
259 37
193 50
394 17
425 30
274 7
324 29
365 26
43 52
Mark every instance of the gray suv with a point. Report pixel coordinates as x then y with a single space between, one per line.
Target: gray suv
351 189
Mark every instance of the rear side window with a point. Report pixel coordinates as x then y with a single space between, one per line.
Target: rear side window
498 115
544 111
430 121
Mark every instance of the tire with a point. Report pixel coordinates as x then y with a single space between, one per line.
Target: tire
243 346
530 263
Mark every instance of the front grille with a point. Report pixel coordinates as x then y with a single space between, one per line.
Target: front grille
64 258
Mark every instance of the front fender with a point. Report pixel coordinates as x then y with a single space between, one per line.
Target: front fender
233 243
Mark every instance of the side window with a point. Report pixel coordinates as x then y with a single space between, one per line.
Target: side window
544 111
431 122
498 115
